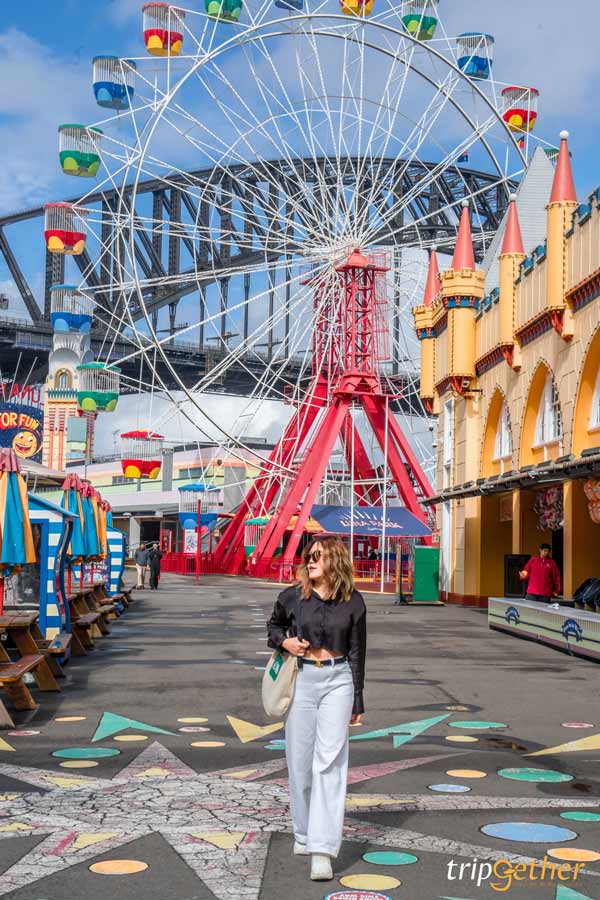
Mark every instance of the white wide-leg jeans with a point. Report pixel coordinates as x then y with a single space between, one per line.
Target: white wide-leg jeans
316 746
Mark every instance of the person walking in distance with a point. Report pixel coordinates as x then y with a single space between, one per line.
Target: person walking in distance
140 558
328 694
542 576
154 558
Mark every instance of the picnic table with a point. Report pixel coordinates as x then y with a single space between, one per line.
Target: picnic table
35 657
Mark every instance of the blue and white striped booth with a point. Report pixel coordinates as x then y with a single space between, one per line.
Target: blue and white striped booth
54 534
116 550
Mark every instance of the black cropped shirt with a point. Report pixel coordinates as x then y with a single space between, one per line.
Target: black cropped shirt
335 625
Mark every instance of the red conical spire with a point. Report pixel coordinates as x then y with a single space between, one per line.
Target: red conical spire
464 257
513 241
433 281
563 188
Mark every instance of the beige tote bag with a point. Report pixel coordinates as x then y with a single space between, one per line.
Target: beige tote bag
279 678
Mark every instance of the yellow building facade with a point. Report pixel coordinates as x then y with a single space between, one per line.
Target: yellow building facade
513 376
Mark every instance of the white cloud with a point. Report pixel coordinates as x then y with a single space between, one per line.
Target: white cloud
159 414
121 12
45 90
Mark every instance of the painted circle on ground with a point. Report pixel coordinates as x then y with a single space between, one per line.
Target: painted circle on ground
478 724
193 729
119 867
24 732
573 854
581 816
208 744
462 739
192 720
536 776
390 858
85 753
449 788
528 832
466 773
79 764
577 725
370 882
131 738
71 719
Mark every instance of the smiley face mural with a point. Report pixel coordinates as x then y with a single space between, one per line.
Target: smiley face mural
21 428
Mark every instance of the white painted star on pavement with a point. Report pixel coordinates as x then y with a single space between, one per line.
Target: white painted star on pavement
220 823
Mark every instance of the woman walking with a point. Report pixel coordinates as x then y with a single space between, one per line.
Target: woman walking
328 695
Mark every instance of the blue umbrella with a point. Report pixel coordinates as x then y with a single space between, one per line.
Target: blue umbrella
71 501
90 533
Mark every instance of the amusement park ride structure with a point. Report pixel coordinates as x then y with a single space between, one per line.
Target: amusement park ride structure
349 343
321 164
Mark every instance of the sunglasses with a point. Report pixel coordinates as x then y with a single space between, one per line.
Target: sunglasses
315 556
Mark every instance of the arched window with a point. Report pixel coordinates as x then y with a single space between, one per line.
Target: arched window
503 447
62 380
595 405
548 426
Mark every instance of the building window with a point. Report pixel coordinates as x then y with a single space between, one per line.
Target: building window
595 410
503 444
548 428
62 380
448 456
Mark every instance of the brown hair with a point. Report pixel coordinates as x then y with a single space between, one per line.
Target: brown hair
337 565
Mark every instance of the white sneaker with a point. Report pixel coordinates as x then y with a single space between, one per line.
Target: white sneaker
300 849
320 867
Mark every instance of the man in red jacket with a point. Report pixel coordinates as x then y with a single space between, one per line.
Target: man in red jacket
544 578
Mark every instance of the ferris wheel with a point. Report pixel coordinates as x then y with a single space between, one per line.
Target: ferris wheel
248 151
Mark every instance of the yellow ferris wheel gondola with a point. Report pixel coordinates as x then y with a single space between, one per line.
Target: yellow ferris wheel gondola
359 8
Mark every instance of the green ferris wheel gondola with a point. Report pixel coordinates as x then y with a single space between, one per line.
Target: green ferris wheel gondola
224 10
98 387
419 18
79 150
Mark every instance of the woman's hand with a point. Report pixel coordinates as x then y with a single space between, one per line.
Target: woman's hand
356 719
295 647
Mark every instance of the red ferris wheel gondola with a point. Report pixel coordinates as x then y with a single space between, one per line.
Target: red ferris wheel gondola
142 454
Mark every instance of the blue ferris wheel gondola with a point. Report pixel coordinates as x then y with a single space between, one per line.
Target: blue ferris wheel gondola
475 54
113 80
289 4
70 310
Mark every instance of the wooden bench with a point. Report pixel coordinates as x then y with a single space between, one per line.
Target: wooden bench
11 679
84 626
54 650
23 630
59 645
106 609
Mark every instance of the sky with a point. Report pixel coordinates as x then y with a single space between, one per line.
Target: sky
46 50
45 70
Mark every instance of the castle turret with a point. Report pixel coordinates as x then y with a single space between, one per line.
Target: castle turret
511 257
563 201
425 332
463 288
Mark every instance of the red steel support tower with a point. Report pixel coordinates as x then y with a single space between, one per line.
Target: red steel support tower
349 345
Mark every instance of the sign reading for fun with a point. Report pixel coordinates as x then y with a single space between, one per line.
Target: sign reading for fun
21 428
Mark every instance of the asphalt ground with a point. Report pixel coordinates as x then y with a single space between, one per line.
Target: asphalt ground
191 651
